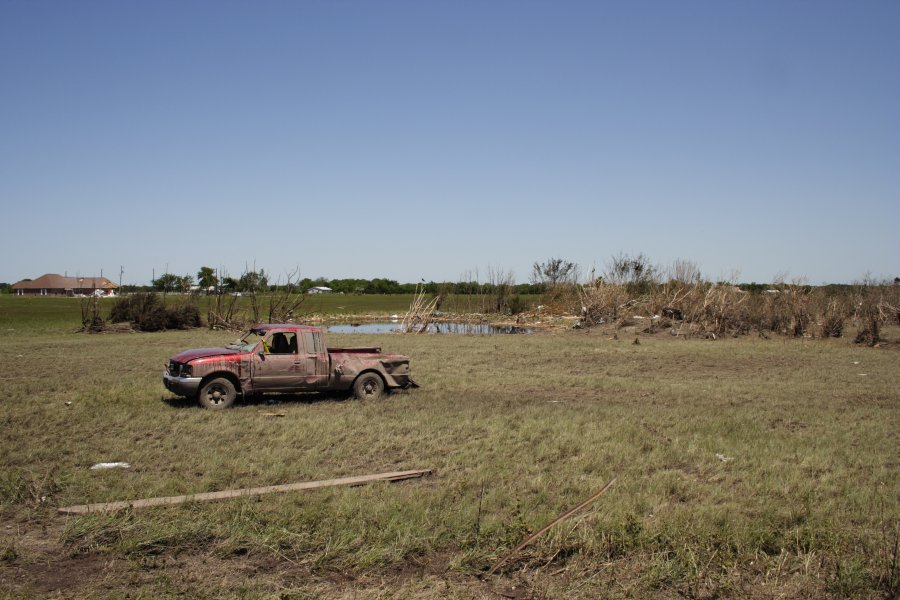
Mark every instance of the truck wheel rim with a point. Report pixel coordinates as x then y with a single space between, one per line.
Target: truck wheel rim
215 395
370 387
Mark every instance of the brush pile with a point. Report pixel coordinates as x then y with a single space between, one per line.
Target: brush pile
421 313
706 309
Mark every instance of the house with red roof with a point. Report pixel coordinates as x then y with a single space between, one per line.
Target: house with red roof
59 285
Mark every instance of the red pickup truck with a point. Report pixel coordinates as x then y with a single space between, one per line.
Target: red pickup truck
283 358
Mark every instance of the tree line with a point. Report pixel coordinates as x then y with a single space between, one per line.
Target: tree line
208 281
636 272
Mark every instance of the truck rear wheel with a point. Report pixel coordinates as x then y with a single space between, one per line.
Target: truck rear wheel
217 394
368 386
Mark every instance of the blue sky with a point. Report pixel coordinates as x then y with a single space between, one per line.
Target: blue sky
429 140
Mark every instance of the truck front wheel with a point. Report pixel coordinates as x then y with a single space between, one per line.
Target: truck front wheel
368 386
217 393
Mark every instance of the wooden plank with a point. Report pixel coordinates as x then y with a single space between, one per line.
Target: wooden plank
83 509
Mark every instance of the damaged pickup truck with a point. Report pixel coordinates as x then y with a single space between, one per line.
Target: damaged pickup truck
283 358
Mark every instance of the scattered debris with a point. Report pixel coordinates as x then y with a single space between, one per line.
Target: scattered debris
69 403
548 526
724 458
673 313
83 509
110 465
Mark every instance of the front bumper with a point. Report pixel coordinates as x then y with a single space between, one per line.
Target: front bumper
182 386
404 382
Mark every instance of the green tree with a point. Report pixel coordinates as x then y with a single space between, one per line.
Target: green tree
206 278
253 281
167 282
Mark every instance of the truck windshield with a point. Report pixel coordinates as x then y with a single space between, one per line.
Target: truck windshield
248 341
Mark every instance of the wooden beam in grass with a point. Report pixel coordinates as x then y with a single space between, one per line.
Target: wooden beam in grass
83 509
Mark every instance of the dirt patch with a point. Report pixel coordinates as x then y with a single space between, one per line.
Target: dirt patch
64 575
36 562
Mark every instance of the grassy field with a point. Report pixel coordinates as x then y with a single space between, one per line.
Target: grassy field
52 314
746 468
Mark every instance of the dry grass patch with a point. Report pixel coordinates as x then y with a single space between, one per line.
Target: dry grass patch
746 467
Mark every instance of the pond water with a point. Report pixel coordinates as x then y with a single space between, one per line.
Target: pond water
457 328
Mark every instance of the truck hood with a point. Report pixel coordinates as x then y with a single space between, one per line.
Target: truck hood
189 355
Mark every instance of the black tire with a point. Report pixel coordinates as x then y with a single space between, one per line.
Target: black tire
368 386
217 394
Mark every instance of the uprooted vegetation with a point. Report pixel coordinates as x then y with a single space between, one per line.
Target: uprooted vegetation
258 302
630 292
633 292
146 311
142 311
269 304
712 310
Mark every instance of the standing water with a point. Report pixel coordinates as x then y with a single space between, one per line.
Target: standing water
457 328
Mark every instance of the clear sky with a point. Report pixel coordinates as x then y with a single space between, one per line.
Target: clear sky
424 139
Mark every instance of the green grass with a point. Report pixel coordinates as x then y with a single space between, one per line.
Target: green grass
50 314
57 313
807 505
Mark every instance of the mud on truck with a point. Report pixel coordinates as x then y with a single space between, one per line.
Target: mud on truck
286 359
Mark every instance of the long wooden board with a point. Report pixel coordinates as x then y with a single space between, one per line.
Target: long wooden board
83 509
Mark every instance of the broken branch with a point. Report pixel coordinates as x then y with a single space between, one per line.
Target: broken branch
548 526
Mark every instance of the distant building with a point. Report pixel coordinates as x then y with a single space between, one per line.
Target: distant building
320 289
58 285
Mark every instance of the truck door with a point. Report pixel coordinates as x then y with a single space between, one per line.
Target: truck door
316 358
281 366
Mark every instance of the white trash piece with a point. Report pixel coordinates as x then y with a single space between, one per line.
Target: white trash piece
111 465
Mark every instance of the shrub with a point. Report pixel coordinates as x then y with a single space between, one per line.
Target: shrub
833 326
183 317
833 320
146 312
